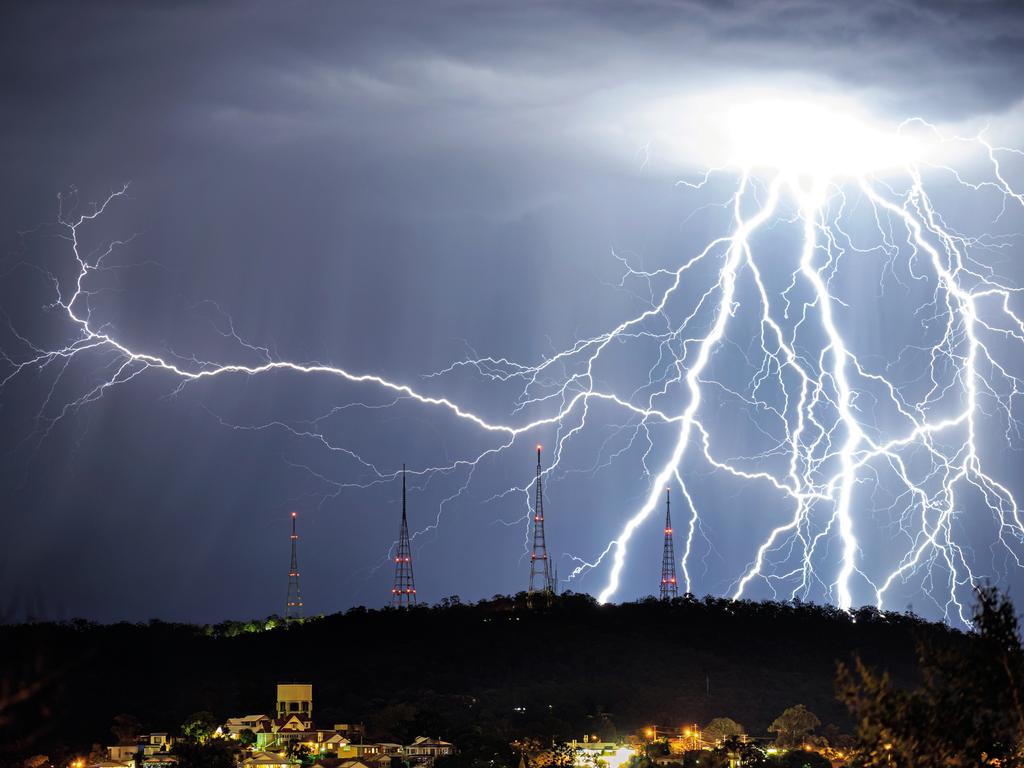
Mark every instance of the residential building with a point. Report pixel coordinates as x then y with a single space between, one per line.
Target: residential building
236 725
268 760
426 747
150 745
295 699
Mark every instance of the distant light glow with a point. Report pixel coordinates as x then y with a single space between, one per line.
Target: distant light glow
809 139
816 132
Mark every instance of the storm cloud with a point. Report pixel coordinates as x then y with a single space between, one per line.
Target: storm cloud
384 186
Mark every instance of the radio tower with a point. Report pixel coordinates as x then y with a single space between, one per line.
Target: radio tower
403 593
293 607
540 567
669 587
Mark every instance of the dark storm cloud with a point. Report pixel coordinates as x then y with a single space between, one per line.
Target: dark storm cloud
263 73
447 170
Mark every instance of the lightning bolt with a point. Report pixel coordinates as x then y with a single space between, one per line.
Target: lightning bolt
837 421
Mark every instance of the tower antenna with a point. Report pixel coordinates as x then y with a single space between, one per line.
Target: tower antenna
669 586
403 593
293 605
541 581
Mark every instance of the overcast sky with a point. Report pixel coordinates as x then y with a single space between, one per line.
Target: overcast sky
385 187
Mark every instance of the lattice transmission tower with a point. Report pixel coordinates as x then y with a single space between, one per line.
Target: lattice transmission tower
403 593
541 580
293 605
669 586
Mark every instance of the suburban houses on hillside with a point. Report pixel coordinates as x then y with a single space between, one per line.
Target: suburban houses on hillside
288 737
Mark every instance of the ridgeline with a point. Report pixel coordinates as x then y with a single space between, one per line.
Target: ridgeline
462 672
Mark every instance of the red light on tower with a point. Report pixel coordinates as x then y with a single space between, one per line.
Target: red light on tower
295 514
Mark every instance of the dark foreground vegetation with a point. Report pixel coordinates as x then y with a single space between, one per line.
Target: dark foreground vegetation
468 672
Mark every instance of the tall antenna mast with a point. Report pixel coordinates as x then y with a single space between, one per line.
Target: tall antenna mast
293 605
403 593
541 581
669 586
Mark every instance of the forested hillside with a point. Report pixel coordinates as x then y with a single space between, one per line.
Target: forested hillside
463 672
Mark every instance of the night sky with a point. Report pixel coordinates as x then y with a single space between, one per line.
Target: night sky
391 188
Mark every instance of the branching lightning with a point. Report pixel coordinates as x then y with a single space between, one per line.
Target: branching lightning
845 439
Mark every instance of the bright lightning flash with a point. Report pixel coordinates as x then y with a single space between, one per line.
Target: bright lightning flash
838 422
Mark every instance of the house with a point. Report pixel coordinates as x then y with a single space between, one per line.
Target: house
351 731
423 746
378 761
123 753
236 725
279 732
610 753
268 760
150 745
424 750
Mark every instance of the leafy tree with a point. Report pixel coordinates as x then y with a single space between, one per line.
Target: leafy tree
834 737
199 726
558 756
968 710
722 728
214 753
125 728
802 758
246 737
732 751
699 758
793 726
299 751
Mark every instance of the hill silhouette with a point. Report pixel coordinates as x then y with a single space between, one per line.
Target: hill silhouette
480 675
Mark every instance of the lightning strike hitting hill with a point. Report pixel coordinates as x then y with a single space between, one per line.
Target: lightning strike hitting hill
832 426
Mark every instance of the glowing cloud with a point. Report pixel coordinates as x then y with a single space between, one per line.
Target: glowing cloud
799 161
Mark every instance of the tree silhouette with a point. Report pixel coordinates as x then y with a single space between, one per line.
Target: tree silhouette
125 728
199 726
722 728
793 726
967 710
